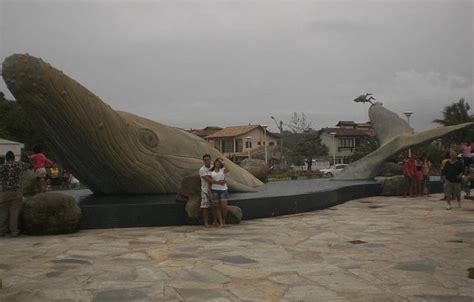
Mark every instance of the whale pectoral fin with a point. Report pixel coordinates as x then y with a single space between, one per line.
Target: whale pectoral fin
367 167
432 134
235 186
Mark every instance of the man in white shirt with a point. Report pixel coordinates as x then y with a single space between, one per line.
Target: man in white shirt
206 181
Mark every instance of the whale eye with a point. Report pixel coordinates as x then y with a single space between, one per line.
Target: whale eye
148 137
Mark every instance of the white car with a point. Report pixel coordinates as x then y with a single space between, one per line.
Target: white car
331 171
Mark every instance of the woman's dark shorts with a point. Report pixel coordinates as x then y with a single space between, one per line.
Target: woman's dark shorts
218 195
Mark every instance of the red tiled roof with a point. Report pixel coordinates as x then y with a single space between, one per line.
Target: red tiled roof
233 131
199 132
205 132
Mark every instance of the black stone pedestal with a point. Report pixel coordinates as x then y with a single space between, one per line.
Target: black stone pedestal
273 199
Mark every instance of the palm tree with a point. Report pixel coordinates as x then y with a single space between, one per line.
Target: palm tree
457 113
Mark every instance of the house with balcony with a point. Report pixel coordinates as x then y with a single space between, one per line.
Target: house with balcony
343 140
237 142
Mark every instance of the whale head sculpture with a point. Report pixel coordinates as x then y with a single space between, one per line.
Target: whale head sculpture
112 152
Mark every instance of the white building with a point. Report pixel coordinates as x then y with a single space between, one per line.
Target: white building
6 145
344 140
239 141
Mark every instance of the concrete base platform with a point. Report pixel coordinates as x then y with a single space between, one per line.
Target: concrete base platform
273 199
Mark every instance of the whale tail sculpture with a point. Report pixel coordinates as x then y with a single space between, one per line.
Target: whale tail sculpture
394 135
112 152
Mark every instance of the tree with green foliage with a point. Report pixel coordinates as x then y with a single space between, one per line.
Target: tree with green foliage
454 114
304 146
16 126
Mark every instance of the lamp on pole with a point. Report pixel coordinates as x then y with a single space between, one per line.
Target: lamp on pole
408 114
265 142
248 145
280 127
333 148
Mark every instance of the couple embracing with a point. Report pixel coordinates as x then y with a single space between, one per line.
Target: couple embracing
213 190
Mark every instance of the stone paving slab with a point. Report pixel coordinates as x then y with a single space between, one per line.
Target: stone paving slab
371 249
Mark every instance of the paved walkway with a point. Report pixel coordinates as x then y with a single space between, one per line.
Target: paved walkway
371 249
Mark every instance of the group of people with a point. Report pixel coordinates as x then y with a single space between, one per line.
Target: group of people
11 195
59 179
417 176
455 175
214 191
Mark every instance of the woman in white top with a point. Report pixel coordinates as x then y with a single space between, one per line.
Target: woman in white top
219 190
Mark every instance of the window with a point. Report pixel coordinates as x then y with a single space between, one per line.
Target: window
358 142
259 143
227 146
238 145
271 143
248 145
346 142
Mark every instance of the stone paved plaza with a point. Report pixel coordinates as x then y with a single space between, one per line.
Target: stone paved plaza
371 249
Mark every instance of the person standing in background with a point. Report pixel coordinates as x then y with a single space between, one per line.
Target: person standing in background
466 149
11 196
38 161
452 175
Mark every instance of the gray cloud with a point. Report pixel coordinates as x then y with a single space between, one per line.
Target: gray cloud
192 64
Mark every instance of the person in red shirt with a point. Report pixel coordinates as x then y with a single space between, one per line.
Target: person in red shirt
409 173
38 160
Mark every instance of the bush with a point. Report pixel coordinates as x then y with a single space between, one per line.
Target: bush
51 213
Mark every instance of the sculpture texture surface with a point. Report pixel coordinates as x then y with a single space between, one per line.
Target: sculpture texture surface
112 152
394 135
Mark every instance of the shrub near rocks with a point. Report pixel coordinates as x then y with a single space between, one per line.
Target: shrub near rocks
391 169
391 186
50 213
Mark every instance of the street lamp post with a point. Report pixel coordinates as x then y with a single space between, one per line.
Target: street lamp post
248 146
333 148
265 142
408 114
280 127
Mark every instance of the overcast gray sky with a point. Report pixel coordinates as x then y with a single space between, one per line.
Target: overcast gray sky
198 63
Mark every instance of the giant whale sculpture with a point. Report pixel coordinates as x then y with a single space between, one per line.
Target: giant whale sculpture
394 135
112 152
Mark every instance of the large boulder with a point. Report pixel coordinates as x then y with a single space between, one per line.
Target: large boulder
190 193
256 167
50 213
190 187
391 186
234 215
